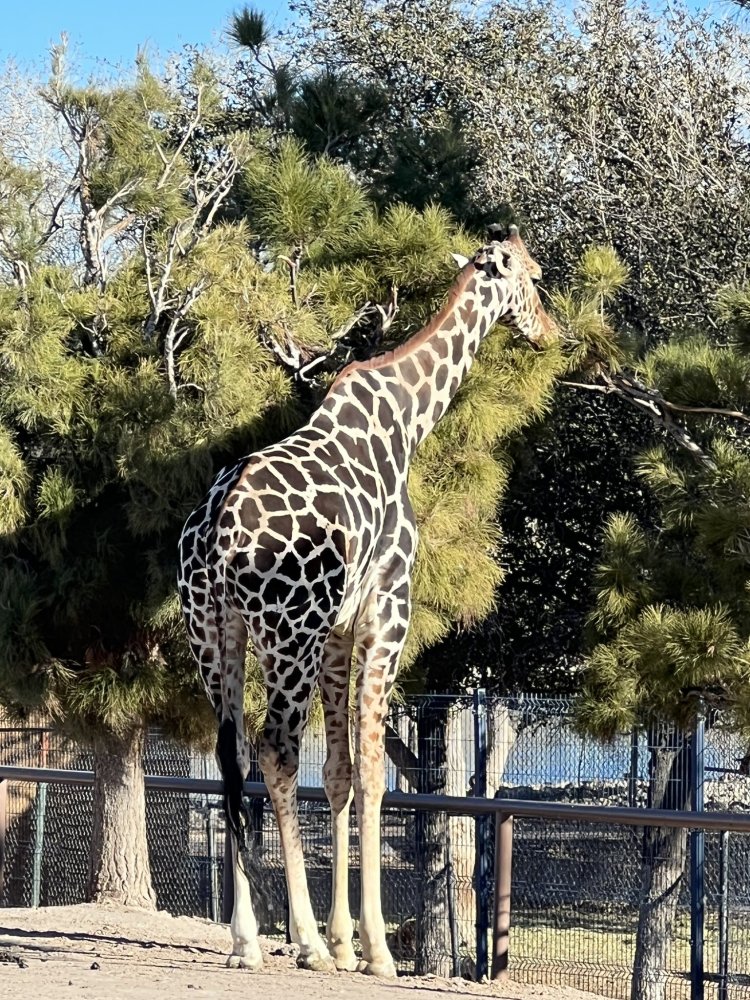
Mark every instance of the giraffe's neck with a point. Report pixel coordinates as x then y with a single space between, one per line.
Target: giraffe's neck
408 390
433 364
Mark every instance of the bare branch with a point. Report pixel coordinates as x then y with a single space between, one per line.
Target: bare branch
367 309
158 297
628 387
714 410
55 223
127 189
290 357
388 311
191 127
118 227
293 263
176 336
590 386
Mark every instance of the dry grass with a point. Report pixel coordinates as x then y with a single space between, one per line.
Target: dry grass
562 950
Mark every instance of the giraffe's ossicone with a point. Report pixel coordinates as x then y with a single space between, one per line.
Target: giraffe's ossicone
306 550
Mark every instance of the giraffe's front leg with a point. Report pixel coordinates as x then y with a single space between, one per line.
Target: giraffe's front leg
380 638
279 761
337 778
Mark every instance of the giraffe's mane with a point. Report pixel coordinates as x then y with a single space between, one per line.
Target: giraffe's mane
418 339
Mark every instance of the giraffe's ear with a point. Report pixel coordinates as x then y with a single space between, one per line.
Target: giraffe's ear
460 260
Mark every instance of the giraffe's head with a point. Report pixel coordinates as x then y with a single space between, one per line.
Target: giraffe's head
507 272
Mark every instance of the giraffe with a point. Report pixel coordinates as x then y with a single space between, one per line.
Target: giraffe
305 550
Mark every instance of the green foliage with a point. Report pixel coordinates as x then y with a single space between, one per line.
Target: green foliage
351 118
14 483
601 273
673 605
659 666
592 340
622 579
137 363
248 28
295 203
693 369
733 306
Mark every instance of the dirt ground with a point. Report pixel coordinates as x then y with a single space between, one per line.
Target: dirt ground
125 954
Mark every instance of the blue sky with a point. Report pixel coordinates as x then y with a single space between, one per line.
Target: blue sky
112 31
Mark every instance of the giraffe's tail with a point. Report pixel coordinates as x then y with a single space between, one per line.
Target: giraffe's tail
226 743
233 779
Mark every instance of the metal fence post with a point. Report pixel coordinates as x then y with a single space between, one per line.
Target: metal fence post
723 916
482 867
213 888
501 915
40 813
697 859
633 776
3 830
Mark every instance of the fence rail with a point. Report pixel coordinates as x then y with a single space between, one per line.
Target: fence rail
456 805
503 810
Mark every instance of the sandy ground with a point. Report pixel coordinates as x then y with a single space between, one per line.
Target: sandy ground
125 954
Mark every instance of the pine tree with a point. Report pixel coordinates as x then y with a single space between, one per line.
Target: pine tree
181 301
338 113
672 608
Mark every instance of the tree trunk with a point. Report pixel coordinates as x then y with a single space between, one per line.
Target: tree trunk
664 855
434 951
501 735
119 869
460 736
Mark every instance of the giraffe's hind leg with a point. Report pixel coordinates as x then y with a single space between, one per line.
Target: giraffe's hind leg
289 699
233 752
337 778
224 683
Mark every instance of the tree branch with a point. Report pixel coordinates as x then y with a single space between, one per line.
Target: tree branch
404 759
714 410
367 309
191 127
293 263
172 339
628 387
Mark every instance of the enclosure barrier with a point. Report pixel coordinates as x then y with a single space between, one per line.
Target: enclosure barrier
503 811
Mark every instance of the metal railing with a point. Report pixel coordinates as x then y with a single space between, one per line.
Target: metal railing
503 810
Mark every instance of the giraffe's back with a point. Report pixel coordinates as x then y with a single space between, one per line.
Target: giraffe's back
290 542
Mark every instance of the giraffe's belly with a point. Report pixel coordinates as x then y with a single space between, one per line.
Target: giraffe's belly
347 613
358 587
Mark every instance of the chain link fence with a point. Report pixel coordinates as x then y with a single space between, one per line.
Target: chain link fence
576 889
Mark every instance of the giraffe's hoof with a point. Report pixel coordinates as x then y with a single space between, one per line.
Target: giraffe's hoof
252 962
316 962
345 961
383 970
